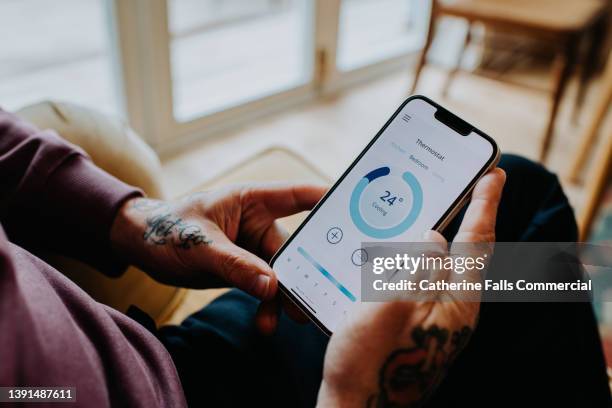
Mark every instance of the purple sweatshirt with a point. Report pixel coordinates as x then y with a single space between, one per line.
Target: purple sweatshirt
52 197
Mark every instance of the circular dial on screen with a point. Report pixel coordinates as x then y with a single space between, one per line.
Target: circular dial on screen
385 204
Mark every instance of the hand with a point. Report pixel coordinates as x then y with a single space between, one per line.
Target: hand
395 353
211 238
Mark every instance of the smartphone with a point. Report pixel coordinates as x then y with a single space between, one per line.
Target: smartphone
415 175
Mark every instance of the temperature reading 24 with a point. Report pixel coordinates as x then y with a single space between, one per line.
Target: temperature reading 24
389 198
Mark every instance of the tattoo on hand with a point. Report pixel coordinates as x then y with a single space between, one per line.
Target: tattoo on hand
163 227
409 375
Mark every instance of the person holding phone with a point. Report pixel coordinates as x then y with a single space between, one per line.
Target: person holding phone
53 333
414 176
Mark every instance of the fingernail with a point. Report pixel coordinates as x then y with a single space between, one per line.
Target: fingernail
261 285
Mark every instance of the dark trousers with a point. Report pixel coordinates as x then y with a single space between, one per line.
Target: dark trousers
521 354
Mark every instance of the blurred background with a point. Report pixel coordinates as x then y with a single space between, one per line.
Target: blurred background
239 90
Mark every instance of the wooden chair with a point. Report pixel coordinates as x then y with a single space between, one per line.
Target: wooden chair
601 177
590 134
562 23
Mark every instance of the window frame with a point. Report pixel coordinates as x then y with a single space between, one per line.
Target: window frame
141 40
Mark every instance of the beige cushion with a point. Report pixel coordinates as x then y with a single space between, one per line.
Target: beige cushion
114 147
111 144
276 164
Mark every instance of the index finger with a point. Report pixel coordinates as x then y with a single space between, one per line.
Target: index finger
285 199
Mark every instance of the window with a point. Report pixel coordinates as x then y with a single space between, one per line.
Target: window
374 30
228 52
189 68
56 50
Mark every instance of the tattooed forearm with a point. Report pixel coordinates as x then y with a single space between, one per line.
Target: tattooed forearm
409 375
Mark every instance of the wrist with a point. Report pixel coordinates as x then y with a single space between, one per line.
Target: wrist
125 229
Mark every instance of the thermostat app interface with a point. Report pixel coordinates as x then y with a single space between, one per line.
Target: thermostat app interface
402 185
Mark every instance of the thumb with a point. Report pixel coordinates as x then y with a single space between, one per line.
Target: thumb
478 224
244 270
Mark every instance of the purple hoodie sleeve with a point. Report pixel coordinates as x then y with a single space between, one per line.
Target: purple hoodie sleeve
53 197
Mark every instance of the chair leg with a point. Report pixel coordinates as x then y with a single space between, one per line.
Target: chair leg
563 67
596 189
423 57
590 134
595 38
453 72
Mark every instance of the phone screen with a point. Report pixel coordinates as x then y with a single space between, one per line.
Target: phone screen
402 184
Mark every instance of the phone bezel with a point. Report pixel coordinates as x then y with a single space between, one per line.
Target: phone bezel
440 224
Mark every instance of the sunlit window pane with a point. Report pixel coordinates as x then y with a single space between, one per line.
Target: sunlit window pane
228 52
56 50
374 30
